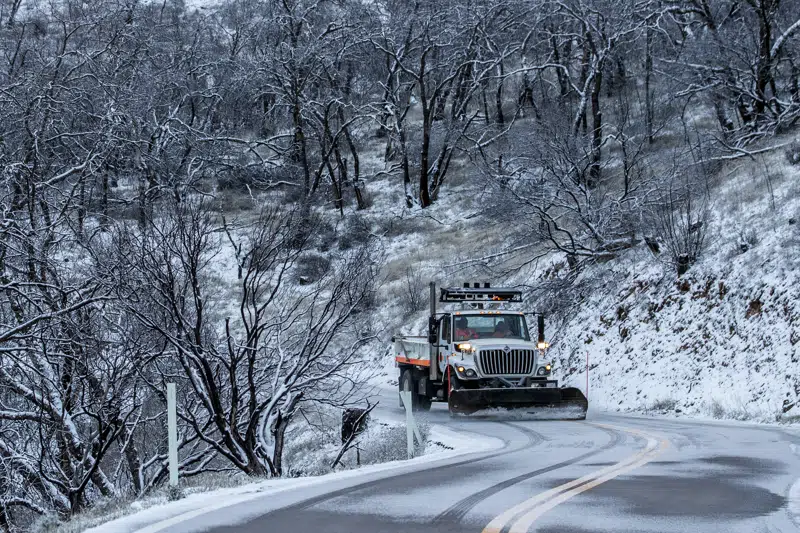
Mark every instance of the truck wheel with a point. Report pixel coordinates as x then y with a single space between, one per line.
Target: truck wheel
400 389
407 384
455 383
423 403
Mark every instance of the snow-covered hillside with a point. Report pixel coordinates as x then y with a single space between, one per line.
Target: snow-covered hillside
720 341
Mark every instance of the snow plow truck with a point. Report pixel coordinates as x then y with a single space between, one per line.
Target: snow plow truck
482 356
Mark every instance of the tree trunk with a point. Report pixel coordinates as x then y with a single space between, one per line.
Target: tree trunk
12 15
499 96
764 69
104 200
406 167
81 208
280 437
597 129
356 179
648 93
441 104
298 152
133 461
562 78
724 120
486 117
338 187
424 193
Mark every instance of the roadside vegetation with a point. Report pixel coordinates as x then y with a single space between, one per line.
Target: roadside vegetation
246 198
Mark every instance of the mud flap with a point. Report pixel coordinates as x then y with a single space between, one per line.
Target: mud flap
467 401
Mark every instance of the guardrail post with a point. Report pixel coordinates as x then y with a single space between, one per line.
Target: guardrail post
587 375
172 434
411 425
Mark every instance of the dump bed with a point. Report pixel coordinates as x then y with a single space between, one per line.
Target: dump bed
412 350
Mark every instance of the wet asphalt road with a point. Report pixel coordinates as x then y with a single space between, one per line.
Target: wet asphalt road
635 474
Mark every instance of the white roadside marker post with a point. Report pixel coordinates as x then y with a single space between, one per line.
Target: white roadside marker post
411 425
587 375
172 434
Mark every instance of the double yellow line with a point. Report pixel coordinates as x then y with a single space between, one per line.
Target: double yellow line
522 516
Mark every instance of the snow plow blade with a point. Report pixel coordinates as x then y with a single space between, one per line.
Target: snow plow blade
570 399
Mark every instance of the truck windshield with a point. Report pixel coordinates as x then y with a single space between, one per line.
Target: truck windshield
490 326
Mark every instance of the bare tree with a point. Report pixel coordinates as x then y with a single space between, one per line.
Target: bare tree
748 78
288 345
681 218
433 62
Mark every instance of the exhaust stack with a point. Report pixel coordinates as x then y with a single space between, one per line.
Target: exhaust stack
434 351
541 328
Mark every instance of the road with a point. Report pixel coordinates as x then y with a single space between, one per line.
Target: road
609 474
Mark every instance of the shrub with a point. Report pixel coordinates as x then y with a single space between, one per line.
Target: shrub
355 231
664 404
681 225
793 153
748 238
311 267
382 443
413 293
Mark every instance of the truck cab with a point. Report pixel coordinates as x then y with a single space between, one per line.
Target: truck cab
483 347
479 355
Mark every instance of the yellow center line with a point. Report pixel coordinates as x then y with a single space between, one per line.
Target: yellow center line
527 512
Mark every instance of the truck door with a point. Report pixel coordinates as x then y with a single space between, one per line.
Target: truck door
445 340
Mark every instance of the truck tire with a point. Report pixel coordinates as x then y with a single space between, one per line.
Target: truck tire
423 403
407 384
418 401
455 383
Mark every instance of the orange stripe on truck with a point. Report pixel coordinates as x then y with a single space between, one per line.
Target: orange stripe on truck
417 362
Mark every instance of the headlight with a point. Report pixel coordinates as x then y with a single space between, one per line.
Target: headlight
468 372
543 370
465 347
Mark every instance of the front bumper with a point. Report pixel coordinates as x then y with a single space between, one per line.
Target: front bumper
471 400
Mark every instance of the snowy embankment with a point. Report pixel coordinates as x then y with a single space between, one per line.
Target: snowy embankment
159 515
720 341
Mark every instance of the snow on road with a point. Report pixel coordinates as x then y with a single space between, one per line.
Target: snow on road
711 477
726 476
453 444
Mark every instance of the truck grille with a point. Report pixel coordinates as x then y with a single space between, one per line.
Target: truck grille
502 363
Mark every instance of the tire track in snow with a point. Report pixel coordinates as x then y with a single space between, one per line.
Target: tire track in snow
458 510
534 438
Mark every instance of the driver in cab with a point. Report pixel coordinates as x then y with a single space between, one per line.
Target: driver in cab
463 331
500 330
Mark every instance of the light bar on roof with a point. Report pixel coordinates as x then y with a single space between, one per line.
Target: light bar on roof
457 294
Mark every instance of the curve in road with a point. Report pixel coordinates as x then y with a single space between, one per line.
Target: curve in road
602 476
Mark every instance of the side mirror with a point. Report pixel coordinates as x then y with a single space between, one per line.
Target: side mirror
433 330
540 342
540 323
